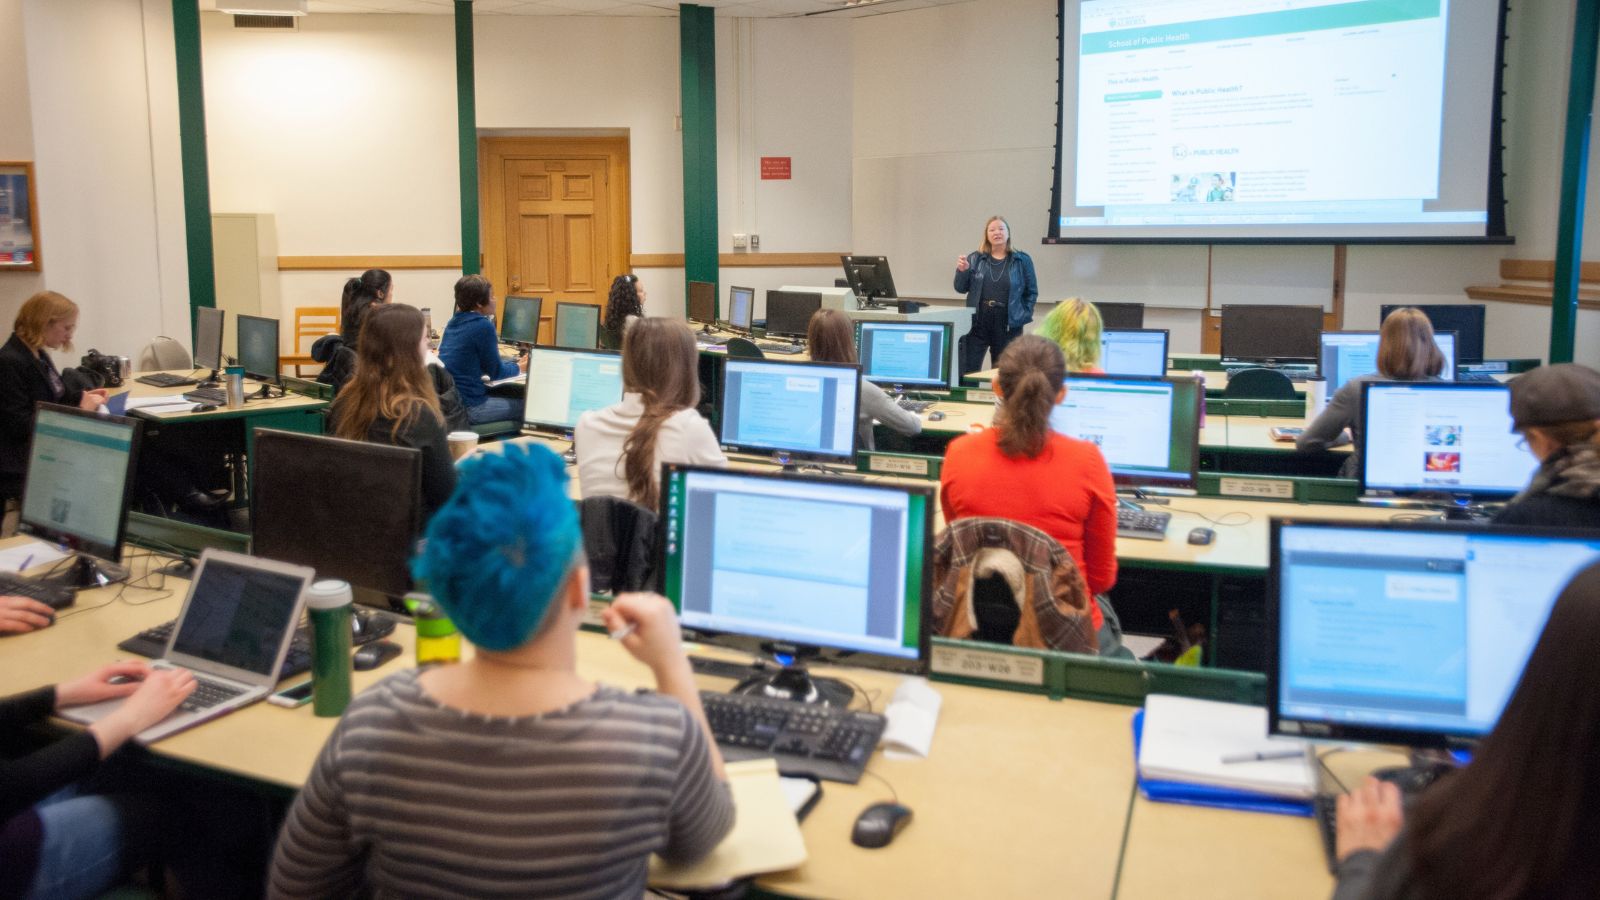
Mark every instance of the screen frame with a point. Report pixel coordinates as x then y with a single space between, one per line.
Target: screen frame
710 290
78 543
783 453
750 309
829 655
1480 325
538 319
1180 385
276 375
883 277
1166 346
552 427
1243 308
801 333
244 676
947 366
585 309
202 312
1478 496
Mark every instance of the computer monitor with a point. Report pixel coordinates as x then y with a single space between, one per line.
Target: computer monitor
1148 429
703 302
1465 319
1134 351
78 483
1435 437
208 321
1407 633
908 354
741 308
565 384
519 320
577 325
258 349
869 276
1270 334
1122 316
789 312
307 490
799 567
805 411
1350 354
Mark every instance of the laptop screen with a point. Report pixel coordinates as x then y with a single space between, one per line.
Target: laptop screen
237 616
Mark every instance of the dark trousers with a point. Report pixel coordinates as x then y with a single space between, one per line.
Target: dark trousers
989 334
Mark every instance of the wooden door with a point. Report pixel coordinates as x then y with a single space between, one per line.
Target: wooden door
556 222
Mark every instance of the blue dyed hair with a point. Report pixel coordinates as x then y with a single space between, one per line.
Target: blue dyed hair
501 546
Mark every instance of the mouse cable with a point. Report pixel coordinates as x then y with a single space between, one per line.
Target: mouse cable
892 792
866 697
1221 520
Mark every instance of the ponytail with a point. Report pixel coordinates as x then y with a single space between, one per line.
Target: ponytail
639 452
1032 370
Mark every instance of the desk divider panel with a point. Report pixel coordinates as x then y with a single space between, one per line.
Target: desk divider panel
163 534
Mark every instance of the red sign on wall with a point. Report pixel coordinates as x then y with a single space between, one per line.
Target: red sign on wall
775 168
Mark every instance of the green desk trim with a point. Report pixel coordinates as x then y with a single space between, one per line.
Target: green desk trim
162 534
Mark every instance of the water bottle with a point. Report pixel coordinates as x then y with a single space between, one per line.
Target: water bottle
438 641
233 383
1200 384
328 604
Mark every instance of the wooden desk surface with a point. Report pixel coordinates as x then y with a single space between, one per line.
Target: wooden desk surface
1252 433
289 402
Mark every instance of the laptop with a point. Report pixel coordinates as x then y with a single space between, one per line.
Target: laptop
233 633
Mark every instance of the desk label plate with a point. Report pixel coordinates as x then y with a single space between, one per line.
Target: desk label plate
897 465
1256 487
975 395
970 663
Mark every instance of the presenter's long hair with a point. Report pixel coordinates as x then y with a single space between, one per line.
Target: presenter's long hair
1406 348
1521 819
830 337
661 364
390 380
1031 373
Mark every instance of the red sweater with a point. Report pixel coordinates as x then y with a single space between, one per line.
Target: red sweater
1065 491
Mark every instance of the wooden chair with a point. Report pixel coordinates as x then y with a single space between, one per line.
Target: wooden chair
309 322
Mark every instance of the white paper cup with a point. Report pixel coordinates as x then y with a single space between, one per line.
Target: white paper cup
461 443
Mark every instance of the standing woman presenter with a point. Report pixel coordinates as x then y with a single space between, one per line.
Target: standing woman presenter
1001 289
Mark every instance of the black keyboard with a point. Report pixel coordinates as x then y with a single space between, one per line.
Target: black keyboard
807 739
208 693
51 595
165 379
365 627
778 347
910 405
1142 524
208 396
1325 810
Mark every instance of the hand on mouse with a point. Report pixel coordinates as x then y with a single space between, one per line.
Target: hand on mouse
151 701
98 685
20 615
1369 817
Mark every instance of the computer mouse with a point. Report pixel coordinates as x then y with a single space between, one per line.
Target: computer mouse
203 407
878 824
1201 536
375 654
936 416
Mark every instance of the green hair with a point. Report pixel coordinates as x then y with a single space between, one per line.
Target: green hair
1074 325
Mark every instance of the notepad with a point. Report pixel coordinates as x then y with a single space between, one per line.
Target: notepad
1185 740
765 837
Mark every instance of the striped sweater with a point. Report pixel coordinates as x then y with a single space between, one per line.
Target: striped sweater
412 798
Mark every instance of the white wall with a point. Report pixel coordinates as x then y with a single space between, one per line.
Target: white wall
16 142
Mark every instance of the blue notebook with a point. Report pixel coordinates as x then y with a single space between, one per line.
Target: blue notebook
1209 795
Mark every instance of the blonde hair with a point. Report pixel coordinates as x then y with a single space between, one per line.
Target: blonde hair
37 315
986 247
1406 348
1075 326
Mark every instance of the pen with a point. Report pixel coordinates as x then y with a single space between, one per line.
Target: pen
26 563
624 631
1262 756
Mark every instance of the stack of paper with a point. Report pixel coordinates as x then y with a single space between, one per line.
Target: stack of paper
1188 741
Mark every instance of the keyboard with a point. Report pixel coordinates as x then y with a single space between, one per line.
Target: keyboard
916 406
1142 524
365 626
207 396
807 739
777 347
1325 810
208 693
165 379
51 595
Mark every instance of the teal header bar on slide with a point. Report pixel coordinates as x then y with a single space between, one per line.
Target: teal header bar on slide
1292 21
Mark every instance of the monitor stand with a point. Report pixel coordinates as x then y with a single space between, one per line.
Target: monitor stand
794 682
264 392
870 301
792 467
211 381
1137 498
86 572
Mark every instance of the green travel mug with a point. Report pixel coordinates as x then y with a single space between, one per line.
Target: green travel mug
328 604
438 641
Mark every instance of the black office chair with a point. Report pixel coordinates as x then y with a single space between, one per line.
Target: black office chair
1259 384
743 348
619 538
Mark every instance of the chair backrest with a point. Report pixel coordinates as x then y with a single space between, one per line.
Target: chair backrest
312 322
743 348
164 353
1053 606
619 538
1259 384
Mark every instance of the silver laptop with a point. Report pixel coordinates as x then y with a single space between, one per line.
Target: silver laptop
233 633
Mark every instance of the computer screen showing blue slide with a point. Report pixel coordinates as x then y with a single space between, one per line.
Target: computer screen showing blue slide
1148 429
565 384
1407 634
1437 437
1351 354
806 410
905 353
1134 351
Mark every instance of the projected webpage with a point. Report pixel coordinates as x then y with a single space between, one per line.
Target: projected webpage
1263 113
1130 421
1347 355
1413 631
903 354
1134 352
1453 438
813 564
808 409
563 386
77 471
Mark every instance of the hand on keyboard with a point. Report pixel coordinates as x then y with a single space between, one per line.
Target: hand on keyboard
154 699
20 615
1369 817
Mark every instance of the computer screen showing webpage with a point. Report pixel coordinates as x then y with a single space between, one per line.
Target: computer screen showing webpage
1133 352
1453 438
904 353
795 407
1351 354
563 385
1139 425
77 476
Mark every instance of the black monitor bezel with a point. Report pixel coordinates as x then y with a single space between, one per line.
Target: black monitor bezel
883 277
1179 383
551 427
77 543
710 314
1479 323
771 332
1166 345
832 656
1239 309
276 375
1366 436
949 366
799 455
555 327
1119 307
729 324
201 312
538 318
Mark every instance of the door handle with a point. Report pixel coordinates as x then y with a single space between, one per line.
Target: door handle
516 282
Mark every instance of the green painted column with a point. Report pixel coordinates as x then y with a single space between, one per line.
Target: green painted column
467 138
196 170
1574 178
697 48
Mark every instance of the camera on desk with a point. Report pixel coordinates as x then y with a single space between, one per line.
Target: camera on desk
108 370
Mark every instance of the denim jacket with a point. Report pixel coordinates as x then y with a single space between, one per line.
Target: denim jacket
1024 286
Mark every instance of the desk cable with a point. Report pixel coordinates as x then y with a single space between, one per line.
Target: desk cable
1226 520
160 588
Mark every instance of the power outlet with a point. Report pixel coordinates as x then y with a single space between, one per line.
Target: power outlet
755 242
741 241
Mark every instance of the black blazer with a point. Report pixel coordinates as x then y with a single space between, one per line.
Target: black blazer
24 381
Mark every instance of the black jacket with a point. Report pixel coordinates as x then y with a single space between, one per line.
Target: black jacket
29 775
24 381
1551 511
339 364
425 434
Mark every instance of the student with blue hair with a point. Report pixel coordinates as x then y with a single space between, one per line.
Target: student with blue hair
510 774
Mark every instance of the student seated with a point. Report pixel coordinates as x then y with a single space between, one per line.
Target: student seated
621 448
509 774
1024 471
1075 326
1406 352
1520 820
391 398
624 306
1556 409
831 337
470 352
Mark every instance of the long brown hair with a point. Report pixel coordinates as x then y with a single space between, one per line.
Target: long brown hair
1406 349
1520 820
390 381
1031 373
831 337
660 363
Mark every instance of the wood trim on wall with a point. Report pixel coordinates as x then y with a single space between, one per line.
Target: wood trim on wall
362 263
1526 294
740 260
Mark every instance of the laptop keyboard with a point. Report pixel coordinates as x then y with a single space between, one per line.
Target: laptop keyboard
208 693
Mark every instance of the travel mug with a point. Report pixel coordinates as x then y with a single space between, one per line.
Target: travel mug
233 381
328 604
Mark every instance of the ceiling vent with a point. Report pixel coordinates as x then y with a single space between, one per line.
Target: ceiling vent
280 22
